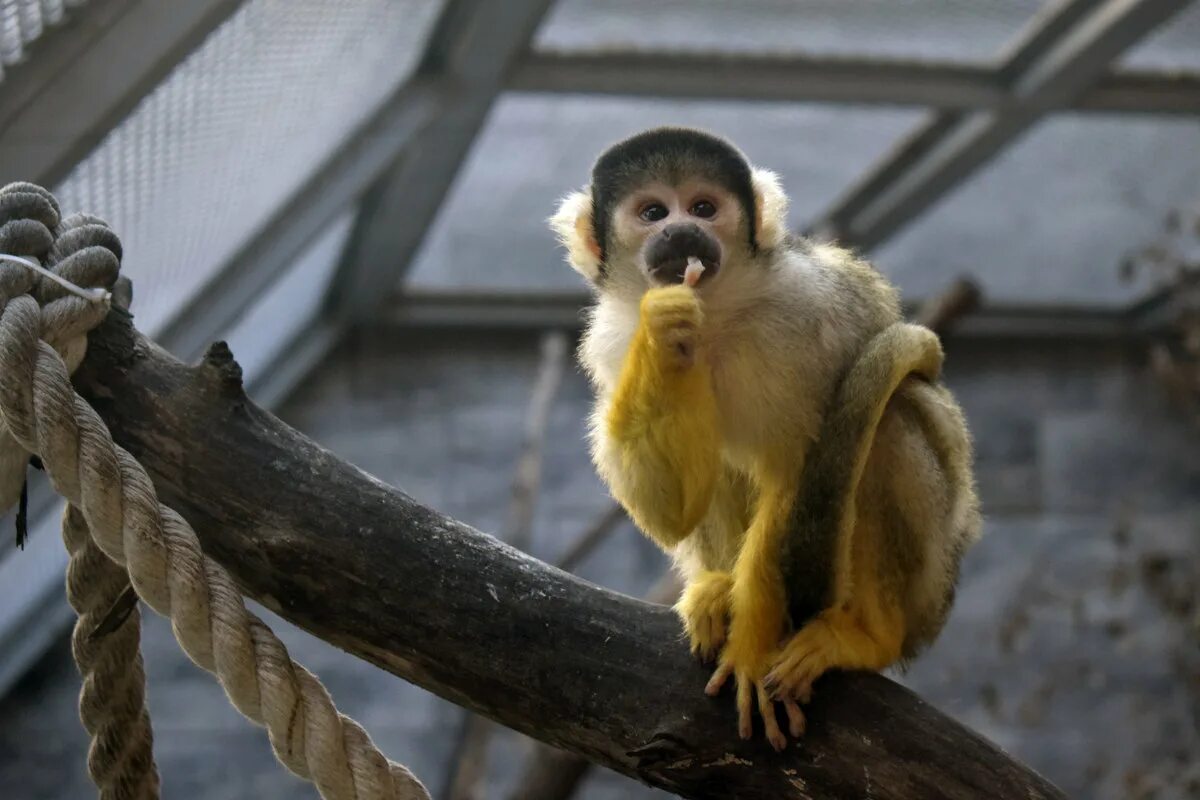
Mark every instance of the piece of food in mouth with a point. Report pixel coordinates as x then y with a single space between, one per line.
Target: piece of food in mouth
691 275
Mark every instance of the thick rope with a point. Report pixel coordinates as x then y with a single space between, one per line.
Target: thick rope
167 568
112 701
112 698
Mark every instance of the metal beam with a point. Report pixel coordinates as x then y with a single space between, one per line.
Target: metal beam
1050 24
414 308
714 76
84 77
930 164
475 45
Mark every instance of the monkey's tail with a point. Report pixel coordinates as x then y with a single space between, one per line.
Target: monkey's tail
817 549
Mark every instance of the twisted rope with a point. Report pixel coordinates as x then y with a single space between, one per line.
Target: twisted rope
163 558
112 700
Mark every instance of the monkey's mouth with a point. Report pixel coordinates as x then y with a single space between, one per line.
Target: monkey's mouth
669 254
684 270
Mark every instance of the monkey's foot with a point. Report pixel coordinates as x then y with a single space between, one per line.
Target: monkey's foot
704 608
672 316
834 640
746 656
751 693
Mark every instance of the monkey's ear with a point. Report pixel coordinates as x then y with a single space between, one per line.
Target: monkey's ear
572 224
770 209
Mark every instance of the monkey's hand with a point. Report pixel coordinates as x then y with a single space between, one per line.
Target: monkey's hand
671 316
746 656
704 608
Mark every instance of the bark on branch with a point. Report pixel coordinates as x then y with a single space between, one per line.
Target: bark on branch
365 567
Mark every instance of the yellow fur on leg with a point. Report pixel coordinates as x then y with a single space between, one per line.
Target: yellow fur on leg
838 638
757 623
662 421
704 608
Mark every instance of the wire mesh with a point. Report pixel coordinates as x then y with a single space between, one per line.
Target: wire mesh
213 151
955 30
24 21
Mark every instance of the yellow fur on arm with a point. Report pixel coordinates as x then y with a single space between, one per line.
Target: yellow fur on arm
661 439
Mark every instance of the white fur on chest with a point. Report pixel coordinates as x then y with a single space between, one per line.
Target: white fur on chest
769 368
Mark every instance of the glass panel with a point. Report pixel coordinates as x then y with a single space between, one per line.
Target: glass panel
1176 45
1053 217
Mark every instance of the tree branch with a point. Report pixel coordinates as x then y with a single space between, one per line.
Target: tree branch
365 567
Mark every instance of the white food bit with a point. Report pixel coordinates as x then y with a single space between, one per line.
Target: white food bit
691 276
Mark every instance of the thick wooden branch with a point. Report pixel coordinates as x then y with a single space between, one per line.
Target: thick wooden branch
365 567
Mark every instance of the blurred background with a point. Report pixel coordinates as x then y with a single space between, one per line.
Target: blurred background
353 193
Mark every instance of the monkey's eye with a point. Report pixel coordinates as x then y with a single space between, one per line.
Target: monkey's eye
703 209
653 212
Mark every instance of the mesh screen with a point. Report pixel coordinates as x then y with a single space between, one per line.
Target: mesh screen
23 21
211 152
965 30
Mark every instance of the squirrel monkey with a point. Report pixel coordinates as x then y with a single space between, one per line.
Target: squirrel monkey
764 414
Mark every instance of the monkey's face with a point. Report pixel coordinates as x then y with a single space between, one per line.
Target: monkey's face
659 229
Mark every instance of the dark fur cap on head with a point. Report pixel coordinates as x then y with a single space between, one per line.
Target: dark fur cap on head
670 154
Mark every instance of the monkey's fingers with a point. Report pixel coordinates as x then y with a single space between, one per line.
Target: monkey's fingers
766 707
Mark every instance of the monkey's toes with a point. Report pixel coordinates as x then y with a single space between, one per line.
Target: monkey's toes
796 721
766 708
794 672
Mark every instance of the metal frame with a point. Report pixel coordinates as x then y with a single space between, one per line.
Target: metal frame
860 81
86 75
427 309
473 46
1056 64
